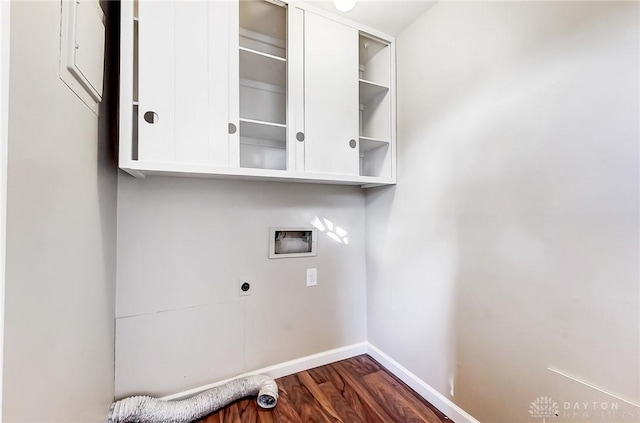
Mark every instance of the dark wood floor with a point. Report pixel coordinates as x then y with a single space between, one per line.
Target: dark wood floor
357 390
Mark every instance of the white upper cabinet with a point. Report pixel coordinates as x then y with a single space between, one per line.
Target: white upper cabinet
255 89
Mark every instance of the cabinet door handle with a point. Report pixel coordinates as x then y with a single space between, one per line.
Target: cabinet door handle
232 128
151 117
300 136
353 143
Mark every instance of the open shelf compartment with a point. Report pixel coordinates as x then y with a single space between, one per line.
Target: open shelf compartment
370 90
262 67
375 106
268 131
263 85
375 60
368 144
263 27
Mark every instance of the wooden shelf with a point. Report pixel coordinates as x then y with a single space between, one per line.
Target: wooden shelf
262 67
261 130
370 90
368 144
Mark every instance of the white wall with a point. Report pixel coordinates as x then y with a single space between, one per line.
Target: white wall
61 218
5 8
510 243
183 246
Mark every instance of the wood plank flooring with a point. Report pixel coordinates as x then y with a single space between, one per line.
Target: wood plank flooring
357 390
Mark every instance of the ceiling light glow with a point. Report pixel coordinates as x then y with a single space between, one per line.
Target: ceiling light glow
344 5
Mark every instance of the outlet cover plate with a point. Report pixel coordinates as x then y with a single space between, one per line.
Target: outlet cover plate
312 277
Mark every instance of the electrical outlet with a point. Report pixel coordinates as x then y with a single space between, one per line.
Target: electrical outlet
244 288
312 277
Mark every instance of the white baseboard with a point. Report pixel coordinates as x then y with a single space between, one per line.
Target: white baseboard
426 391
423 389
287 368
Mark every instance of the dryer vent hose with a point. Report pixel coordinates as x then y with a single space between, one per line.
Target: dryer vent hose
144 409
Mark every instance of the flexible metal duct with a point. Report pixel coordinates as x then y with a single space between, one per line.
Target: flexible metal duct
143 409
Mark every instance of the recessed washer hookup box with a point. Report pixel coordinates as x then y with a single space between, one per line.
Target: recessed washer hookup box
292 242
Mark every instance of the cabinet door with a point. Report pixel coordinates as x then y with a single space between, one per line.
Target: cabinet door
331 96
156 87
183 82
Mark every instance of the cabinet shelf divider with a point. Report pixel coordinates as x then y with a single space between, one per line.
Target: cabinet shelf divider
263 122
257 129
259 53
370 90
368 144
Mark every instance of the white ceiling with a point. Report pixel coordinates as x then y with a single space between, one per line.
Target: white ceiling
390 16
